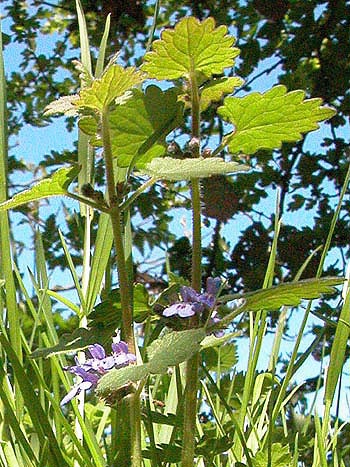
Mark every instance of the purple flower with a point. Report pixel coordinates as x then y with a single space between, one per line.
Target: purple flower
96 364
184 310
99 362
193 302
121 355
89 380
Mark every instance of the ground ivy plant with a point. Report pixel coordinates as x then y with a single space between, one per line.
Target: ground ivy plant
129 116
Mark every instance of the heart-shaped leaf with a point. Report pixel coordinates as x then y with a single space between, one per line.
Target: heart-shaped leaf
115 81
140 126
192 47
264 121
55 185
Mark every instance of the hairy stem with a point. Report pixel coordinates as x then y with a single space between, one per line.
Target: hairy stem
196 206
190 411
196 237
116 220
129 418
191 387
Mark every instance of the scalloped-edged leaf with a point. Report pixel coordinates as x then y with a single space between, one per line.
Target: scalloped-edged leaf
217 88
279 456
113 84
139 127
63 105
55 185
77 340
108 312
88 125
168 168
289 294
221 358
116 379
265 121
192 46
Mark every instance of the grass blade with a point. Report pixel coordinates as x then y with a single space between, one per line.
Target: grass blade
102 50
103 246
35 410
5 242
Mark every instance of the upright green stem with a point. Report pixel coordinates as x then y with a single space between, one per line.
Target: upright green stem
129 413
116 220
196 236
135 419
191 381
196 206
190 412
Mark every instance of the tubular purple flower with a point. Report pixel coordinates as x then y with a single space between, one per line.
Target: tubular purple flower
184 310
194 302
121 355
97 351
120 347
189 295
89 381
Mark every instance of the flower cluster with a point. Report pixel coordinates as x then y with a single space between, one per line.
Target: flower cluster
96 364
195 303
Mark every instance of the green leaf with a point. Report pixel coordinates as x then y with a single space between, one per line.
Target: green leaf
222 358
108 312
115 379
289 294
139 128
168 168
191 47
264 121
55 185
77 340
173 348
63 105
212 341
280 456
217 88
102 49
89 126
338 351
113 84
